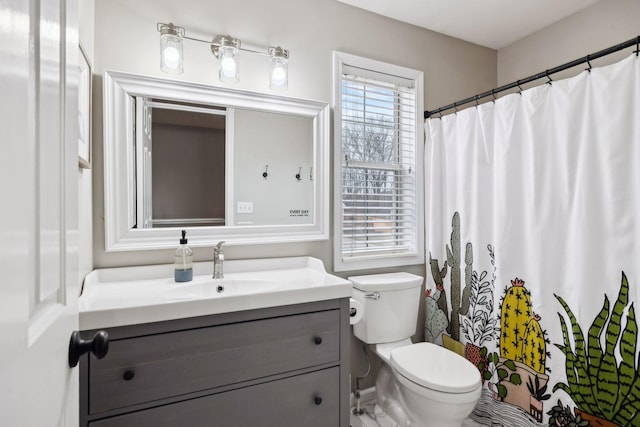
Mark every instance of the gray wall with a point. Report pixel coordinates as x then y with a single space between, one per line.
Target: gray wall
597 27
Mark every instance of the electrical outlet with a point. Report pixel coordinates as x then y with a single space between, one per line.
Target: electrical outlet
244 208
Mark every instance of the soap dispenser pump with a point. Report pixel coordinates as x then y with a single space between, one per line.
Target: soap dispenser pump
183 261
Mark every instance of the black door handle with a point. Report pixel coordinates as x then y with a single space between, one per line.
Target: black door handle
98 345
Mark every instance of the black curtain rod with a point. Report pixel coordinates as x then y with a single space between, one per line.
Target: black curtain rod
541 75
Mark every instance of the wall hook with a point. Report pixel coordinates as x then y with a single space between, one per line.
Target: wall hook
298 175
265 174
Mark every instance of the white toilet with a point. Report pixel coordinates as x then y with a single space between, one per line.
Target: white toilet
419 385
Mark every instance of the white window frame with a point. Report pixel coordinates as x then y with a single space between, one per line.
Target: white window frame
340 263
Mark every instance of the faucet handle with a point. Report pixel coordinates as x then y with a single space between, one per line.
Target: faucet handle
219 246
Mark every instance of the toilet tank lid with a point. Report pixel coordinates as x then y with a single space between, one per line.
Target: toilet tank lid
436 368
386 281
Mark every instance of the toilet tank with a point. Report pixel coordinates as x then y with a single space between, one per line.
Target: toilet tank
390 304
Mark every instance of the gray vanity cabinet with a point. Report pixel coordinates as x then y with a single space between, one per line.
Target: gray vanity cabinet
280 366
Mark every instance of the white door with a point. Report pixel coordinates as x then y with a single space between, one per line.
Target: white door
38 212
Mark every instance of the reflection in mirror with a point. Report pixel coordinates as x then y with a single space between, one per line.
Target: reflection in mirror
181 158
184 155
180 174
272 140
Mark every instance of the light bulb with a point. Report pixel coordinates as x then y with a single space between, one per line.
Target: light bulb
228 66
171 57
278 75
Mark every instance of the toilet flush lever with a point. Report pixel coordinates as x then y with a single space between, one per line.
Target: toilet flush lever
372 295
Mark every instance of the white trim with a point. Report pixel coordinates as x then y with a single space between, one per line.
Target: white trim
119 236
340 61
230 211
189 108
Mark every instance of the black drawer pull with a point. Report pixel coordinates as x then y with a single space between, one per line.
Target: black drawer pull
128 375
317 400
317 340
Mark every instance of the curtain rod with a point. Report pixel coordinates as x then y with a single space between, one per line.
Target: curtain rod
585 59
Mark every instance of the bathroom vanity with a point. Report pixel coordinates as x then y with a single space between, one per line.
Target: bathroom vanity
271 349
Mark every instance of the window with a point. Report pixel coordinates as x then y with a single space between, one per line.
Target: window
378 185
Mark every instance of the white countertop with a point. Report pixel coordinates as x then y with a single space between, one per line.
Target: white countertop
131 295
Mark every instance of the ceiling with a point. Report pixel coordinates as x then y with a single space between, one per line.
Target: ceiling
490 23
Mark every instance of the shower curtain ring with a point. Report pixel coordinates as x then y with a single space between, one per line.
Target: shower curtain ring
475 98
638 46
493 94
546 73
589 63
519 87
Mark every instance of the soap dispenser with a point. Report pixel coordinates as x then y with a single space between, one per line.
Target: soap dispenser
183 259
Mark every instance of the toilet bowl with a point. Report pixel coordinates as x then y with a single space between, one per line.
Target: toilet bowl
438 386
418 385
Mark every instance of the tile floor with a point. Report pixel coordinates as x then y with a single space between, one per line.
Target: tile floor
365 421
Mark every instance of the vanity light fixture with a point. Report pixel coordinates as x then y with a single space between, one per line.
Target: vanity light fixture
226 49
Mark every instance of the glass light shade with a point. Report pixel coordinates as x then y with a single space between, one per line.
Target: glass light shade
228 71
279 74
171 54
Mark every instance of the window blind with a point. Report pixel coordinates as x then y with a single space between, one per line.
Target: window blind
378 164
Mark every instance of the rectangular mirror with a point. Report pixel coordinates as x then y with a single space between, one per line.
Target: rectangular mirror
224 164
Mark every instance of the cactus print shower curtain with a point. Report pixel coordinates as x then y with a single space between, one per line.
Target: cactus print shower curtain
533 237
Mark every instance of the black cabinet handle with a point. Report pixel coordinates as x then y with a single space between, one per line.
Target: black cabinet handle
317 400
317 340
98 345
128 375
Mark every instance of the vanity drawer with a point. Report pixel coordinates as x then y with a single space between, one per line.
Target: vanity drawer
147 368
310 400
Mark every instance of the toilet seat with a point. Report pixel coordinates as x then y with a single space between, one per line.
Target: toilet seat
435 368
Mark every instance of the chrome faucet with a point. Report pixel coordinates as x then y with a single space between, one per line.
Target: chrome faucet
218 259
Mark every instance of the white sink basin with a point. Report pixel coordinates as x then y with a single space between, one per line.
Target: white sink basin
204 287
131 295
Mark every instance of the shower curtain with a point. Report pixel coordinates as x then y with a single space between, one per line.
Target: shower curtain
533 237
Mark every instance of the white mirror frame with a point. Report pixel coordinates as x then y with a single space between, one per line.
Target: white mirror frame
119 182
